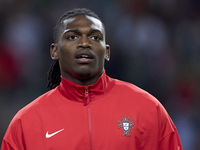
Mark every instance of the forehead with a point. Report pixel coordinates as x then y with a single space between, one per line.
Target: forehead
83 21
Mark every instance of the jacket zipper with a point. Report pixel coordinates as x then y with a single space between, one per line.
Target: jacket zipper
87 102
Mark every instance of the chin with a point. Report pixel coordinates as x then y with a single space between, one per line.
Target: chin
84 75
87 74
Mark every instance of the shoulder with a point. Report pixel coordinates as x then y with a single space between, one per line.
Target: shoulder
36 105
130 90
134 97
127 86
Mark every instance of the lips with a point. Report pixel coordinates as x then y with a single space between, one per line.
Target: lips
84 56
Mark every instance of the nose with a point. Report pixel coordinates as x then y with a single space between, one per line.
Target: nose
84 43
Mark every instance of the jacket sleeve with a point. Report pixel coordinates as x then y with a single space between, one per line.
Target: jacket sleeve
170 142
6 146
13 139
169 138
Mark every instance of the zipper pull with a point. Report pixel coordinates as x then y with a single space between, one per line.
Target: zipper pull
86 92
86 96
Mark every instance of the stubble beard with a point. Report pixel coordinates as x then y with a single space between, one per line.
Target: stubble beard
87 77
84 75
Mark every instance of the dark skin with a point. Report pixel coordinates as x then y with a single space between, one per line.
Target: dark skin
81 50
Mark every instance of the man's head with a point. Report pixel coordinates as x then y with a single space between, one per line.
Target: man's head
70 14
79 48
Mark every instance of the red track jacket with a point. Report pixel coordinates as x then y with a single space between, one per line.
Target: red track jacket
108 115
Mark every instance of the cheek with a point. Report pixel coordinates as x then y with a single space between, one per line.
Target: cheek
66 50
101 53
66 57
101 57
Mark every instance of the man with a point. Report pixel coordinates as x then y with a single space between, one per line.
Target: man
86 109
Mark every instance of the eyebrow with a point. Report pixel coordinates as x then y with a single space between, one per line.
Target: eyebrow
70 30
78 31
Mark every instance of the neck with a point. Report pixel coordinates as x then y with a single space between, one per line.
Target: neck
83 79
86 82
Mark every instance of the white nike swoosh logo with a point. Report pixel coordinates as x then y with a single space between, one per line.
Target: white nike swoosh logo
52 134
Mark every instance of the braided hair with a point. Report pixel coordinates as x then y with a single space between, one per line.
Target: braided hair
54 70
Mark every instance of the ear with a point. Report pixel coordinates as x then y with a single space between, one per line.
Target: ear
107 53
54 51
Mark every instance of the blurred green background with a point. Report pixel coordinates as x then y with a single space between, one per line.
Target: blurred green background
154 45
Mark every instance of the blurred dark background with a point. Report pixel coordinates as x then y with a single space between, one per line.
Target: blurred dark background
154 45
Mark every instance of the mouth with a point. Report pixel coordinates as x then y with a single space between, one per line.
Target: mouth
84 57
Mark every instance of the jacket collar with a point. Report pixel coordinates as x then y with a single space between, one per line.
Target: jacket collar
78 93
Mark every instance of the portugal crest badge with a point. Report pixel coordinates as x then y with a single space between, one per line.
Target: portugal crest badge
125 125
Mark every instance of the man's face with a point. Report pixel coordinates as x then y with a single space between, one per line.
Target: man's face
81 49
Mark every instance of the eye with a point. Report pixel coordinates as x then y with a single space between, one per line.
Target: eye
96 37
72 37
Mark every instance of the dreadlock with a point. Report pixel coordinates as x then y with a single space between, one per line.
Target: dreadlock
54 70
54 75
